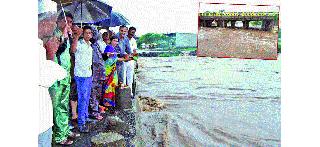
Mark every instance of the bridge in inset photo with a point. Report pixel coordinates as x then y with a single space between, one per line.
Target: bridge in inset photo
221 19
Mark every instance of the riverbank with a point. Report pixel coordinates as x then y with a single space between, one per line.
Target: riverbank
193 101
116 129
173 53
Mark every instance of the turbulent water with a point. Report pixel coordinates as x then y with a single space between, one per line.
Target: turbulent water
211 101
240 43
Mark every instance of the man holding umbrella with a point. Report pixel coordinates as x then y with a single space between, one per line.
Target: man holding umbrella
49 71
60 90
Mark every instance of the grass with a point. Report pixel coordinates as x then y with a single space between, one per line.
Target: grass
188 49
279 45
169 54
177 52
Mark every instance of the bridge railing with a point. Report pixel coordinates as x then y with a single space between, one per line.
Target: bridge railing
239 14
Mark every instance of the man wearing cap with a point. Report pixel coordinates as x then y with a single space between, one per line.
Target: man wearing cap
59 91
50 72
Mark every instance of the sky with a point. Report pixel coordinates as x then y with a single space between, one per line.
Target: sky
167 16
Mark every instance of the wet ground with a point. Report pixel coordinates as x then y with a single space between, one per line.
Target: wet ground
123 124
210 102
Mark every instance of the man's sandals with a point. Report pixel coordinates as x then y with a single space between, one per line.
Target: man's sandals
66 142
69 141
74 135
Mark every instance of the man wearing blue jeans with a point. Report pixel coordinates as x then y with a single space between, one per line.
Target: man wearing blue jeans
83 75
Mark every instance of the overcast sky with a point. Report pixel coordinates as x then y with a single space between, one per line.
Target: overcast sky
165 16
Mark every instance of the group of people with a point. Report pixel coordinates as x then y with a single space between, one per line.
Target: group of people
80 67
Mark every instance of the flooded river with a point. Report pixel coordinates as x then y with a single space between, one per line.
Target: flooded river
239 43
211 101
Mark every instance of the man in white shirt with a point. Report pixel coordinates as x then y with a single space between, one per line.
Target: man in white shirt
49 71
83 75
129 66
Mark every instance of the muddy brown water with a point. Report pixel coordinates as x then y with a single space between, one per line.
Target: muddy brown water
210 102
240 43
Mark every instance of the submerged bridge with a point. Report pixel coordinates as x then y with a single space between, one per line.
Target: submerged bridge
222 18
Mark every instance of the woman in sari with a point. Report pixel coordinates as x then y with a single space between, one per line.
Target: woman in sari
111 82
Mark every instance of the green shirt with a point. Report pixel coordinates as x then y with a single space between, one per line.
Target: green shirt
64 58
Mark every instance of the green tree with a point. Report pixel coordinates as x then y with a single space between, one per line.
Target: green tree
150 38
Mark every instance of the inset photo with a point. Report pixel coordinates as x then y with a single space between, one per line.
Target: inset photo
239 31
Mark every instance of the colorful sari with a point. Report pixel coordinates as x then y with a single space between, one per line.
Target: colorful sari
111 79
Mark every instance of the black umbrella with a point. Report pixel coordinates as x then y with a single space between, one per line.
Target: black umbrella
87 11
